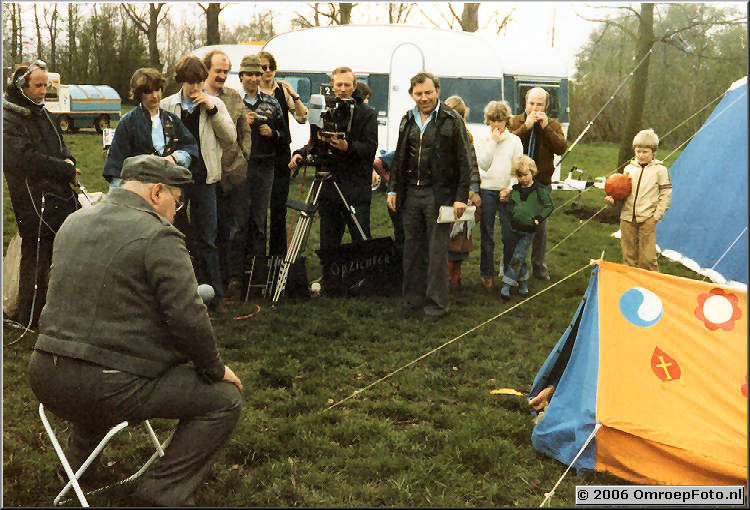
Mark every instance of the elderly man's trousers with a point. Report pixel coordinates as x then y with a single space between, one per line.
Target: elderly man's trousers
425 253
93 399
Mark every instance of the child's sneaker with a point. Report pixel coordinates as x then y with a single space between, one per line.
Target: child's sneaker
523 289
505 291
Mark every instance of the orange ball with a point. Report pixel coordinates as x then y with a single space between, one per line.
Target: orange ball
618 186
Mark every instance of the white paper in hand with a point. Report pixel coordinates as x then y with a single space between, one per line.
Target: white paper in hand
446 214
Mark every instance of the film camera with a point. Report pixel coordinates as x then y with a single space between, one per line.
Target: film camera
332 117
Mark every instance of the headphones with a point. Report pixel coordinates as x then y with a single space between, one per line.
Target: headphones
22 81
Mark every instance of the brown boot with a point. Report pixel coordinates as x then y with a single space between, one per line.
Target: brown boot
488 283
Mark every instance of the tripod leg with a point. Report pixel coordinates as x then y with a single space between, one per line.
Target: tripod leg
351 211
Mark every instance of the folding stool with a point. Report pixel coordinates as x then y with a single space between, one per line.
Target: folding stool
74 477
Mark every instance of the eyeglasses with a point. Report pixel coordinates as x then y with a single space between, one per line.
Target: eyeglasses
179 203
266 68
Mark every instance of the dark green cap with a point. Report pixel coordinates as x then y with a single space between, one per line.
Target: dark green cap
250 64
153 169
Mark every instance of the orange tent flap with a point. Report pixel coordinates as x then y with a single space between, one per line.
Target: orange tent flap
648 462
673 361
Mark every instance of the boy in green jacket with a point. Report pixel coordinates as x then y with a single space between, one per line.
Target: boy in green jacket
528 205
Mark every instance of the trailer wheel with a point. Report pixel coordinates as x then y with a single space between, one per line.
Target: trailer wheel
65 124
101 123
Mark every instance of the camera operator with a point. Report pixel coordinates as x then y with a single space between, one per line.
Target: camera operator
350 165
542 138
123 318
269 135
39 170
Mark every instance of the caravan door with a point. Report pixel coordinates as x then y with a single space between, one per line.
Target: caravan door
407 60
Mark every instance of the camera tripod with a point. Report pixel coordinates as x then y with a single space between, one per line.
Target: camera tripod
307 210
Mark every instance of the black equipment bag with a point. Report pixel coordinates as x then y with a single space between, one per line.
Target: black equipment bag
362 268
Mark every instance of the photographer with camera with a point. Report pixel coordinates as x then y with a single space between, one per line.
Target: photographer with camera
542 138
269 135
346 152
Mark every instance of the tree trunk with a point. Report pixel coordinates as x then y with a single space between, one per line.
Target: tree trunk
639 85
13 35
72 28
38 35
212 24
153 48
345 13
52 29
20 33
470 17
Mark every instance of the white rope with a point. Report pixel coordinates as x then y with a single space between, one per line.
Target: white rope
579 227
423 356
548 495
727 250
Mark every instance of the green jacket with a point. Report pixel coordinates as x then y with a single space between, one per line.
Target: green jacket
122 293
527 204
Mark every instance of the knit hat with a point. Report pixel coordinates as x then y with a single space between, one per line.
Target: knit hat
153 169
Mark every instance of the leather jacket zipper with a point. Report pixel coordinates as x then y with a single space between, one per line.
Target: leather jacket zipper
638 186
419 159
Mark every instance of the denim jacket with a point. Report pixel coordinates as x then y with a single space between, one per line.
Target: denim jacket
133 137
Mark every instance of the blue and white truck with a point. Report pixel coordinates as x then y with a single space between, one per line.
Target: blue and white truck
80 106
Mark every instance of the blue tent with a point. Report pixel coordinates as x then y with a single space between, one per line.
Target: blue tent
707 221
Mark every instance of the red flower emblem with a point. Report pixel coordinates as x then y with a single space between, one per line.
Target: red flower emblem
718 309
743 388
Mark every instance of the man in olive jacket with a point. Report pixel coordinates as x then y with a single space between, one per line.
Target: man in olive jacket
431 168
122 319
542 138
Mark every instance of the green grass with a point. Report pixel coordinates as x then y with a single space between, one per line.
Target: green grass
431 435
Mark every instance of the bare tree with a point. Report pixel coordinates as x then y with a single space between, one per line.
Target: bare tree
72 29
398 12
644 43
212 22
39 54
51 15
148 23
12 11
337 14
468 21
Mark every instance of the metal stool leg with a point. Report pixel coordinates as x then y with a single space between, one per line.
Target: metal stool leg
74 477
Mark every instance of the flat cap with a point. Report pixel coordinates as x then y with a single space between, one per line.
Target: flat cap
250 64
151 168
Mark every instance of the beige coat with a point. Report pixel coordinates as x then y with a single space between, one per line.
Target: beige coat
234 159
652 197
216 132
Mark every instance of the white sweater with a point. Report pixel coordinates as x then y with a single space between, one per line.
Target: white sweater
494 160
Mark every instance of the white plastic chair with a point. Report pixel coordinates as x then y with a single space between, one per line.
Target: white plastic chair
74 477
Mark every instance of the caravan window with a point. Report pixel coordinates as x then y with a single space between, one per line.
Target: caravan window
378 83
52 93
476 93
299 83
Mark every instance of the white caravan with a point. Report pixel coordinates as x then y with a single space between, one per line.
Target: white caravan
476 68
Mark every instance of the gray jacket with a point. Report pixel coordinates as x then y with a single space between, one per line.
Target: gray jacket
122 293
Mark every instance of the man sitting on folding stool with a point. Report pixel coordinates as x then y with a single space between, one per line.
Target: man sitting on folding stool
122 319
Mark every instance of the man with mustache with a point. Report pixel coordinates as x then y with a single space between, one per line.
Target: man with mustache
232 217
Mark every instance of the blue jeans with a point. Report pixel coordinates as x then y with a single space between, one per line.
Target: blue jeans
259 184
491 206
116 181
539 247
519 244
201 199
234 208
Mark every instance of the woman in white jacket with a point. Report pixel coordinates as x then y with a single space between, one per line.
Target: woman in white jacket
207 119
494 155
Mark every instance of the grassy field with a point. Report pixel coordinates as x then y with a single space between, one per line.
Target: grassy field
431 435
